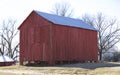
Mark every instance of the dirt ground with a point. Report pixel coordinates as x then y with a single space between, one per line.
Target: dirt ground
105 68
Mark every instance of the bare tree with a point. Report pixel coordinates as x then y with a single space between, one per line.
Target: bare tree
62 9
8 34
112 54
108 31
116 56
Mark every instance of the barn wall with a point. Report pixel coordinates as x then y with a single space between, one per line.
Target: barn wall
74 44
34 39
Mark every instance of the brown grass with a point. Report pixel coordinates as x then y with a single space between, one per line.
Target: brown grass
24 70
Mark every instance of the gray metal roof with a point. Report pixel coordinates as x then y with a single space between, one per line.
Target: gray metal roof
66 21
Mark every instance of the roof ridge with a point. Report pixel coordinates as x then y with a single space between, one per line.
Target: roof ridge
56 15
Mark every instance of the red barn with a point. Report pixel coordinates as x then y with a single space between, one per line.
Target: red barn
50 38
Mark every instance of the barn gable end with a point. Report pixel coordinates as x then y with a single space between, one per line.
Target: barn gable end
34 33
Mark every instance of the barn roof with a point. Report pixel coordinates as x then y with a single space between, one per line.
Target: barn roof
65 20
4 58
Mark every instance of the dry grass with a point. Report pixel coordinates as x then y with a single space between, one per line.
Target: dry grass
24 70
106 71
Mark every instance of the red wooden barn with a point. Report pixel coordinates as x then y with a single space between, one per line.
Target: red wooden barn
51 38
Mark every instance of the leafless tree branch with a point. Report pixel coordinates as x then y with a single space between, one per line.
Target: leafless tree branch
62 9
7 35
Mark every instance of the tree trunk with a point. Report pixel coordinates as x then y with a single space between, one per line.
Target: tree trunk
100 55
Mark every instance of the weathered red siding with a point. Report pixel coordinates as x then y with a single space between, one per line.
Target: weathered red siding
41 40
74 44
34 39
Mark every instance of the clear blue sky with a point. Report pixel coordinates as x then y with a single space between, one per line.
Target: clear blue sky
19 9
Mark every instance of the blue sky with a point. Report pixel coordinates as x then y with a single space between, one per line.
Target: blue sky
20 9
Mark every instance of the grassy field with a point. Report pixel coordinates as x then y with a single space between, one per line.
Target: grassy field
66 69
